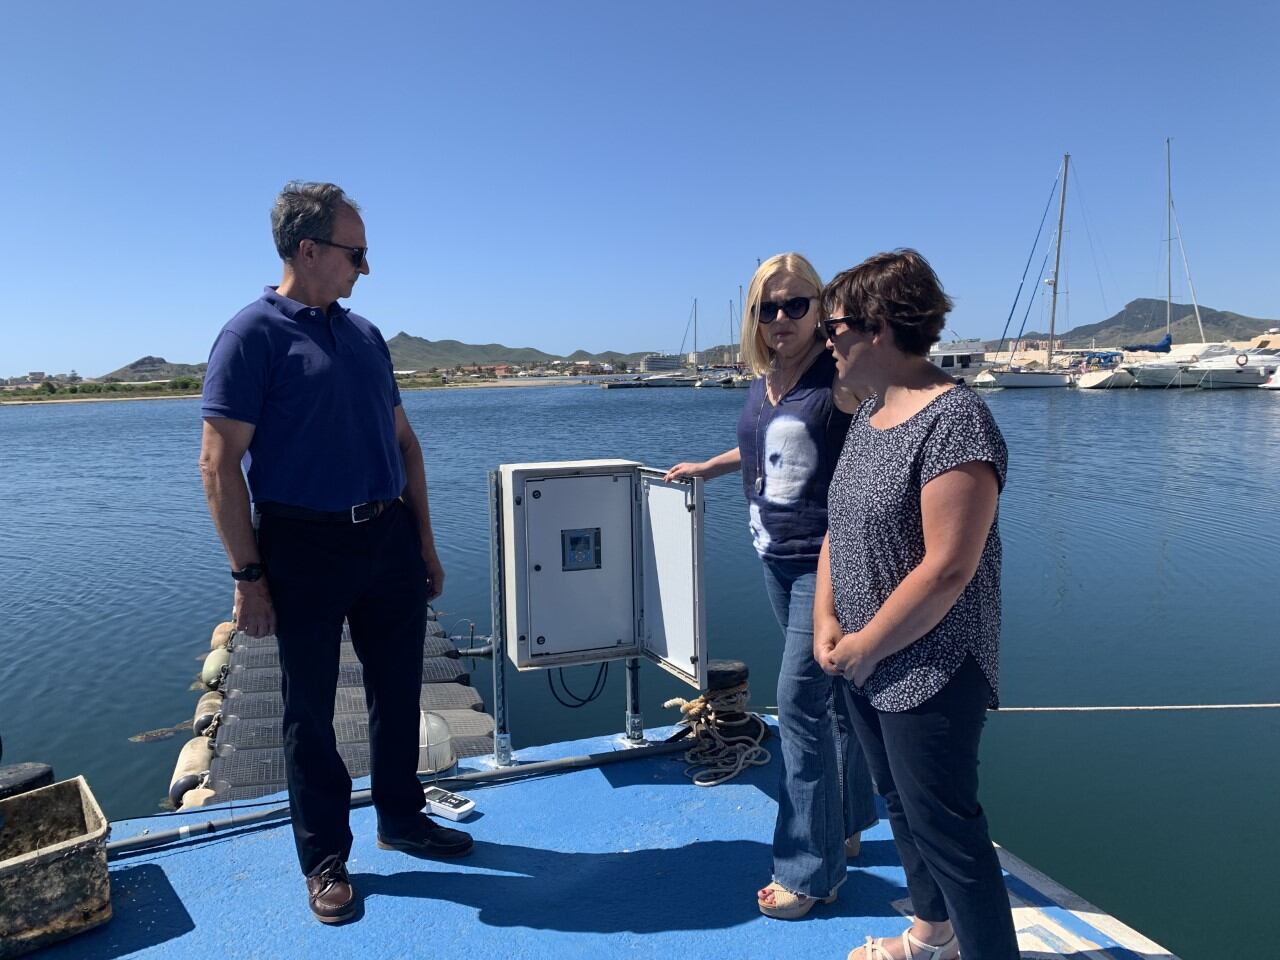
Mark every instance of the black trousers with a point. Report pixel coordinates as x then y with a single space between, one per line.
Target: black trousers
925 765
372 575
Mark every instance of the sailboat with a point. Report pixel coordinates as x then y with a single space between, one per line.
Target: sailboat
1011 376
1171 370
683 376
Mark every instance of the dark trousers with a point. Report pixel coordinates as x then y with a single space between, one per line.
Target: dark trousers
925 764
371 574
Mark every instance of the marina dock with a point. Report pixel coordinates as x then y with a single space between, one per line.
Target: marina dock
245 753
624 860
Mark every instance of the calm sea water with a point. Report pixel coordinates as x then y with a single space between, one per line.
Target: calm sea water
1142 546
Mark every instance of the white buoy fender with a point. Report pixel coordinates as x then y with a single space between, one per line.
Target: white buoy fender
193 763
215 665
435 743
222 635
208 707
196 798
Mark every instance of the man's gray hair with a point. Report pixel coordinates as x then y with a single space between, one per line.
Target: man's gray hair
305 211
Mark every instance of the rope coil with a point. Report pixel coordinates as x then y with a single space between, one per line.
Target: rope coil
720 725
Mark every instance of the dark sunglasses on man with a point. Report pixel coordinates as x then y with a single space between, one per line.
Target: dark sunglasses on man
830 326
794 308
357 254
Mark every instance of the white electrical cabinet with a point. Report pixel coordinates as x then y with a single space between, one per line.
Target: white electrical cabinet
602 560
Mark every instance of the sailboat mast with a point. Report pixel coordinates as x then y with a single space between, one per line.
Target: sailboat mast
729 359
1057 257
1168 209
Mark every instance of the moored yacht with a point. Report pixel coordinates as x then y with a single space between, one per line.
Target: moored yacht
670 380
1022 377
1103 371
963 359
1251 367
1171 370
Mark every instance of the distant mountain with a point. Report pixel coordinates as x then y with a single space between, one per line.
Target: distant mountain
1142 321
154 368
417 353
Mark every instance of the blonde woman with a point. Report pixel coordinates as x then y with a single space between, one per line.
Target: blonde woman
789 437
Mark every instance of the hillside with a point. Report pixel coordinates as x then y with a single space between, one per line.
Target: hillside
1142 321
418 353
154 368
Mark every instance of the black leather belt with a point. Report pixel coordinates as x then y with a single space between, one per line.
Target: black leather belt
360 513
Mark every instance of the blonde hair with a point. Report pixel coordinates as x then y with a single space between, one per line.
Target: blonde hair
755 352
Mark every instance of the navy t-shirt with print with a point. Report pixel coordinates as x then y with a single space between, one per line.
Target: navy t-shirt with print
793 448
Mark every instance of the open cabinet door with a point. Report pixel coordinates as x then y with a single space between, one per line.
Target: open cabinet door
674 634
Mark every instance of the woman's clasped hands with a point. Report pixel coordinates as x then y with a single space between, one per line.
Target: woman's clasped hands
842 654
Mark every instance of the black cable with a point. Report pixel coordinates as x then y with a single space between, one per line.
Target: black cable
597 688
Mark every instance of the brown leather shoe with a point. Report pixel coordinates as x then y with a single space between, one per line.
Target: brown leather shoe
330 894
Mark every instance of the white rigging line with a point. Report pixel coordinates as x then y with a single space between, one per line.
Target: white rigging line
1143 708
1187 268
1088 232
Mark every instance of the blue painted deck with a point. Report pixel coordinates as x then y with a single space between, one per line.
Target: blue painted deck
629 860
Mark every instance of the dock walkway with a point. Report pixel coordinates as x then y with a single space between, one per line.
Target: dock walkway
249 746
627 860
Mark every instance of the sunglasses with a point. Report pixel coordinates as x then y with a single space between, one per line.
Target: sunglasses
357 253
794 308
829 326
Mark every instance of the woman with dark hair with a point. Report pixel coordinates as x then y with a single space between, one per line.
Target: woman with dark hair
907 607
789 436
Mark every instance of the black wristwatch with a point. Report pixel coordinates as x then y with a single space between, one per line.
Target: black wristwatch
251 573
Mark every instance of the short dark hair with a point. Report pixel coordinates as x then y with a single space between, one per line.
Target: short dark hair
306 211
897 289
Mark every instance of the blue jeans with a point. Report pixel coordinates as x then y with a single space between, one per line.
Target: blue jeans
826 792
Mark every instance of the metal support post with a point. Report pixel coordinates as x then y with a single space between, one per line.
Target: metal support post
501 726
635 721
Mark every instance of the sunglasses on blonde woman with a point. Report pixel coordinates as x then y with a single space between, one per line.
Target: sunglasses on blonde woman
794 308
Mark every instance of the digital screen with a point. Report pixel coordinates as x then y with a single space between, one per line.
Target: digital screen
580 549
436 795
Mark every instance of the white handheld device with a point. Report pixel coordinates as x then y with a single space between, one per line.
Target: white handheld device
445 804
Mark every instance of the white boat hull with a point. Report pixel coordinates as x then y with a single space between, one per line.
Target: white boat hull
1163 376
1021 378
1104 379
669 381
1226 379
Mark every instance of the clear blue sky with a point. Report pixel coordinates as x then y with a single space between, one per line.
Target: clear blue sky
570 175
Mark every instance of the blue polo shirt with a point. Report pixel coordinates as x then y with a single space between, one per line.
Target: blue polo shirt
317 385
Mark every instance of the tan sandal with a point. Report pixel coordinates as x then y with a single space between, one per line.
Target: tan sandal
853 845
874 949
788 905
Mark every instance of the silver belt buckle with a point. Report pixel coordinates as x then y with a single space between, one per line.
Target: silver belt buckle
354 519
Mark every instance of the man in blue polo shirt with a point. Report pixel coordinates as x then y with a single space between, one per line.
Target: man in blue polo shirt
303 389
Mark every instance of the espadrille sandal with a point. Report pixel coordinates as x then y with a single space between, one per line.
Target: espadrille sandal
853 845
788 905
874 949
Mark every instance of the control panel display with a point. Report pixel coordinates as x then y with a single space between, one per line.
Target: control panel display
580 549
